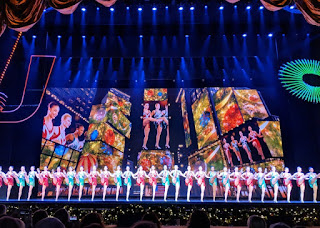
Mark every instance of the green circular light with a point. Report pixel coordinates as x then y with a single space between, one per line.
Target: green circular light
291 76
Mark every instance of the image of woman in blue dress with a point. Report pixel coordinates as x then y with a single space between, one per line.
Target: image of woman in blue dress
244 143
160 123
235 148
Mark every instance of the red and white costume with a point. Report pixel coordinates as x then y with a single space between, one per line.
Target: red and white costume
140 179
59 137
58 179
189 180
45 179
10 179
153 178
93 179
105 179
46 132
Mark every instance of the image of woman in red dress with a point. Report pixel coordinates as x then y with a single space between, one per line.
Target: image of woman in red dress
253 137
147 118
59 132
52 113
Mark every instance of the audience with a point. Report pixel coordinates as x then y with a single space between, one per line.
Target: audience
49 222
279 225
199 219
151 217
63 215
91 218
9 222
255 221
38 215
144 224
3 210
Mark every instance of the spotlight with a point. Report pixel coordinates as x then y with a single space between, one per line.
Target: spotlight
180 8
83 9
167 7
221 8
261 8
244 35
308 34
291 7
59 36
83 37
139 9
192 8
235 6
270 35
111 9
283 34
128 7
141 36
154 8
98 8
206 7
248 7
186 36
44 10
34 36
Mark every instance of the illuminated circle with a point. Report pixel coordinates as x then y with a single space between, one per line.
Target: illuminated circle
294 74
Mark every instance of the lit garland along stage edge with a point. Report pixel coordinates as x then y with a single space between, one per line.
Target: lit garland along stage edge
291 76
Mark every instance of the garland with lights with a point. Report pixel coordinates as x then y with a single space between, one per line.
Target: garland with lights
291 75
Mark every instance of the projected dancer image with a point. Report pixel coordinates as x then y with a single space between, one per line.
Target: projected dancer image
70 176
248 177
245 145
300 179
21 183
73 138
260 177
44 180
160 123
226 148
175 175
59 132
140 175
201 176
253 137
274 177
189 181
147 118
58 178
235 148
31 180
153 175
287 177
213 175
105 174
9 180
225 179
52 113
236 177
117 180
80 177
164 175
127 181
312 178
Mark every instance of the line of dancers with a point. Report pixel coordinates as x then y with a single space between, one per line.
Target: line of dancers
238 177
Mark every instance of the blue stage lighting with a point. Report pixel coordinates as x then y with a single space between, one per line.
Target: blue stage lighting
244 35
192 8
308 34
59 36
83 37
206 7
186 36
180 8
154 9
291 7
248 7
128 7
34 36
235 6
141 36
139 9
261 8
83 9
270 35
111 9
98 8
167 7
283 34
221 8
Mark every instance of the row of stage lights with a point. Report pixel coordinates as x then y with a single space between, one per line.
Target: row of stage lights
181 8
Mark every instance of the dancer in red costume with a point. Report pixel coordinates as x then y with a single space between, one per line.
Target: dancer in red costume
44 180
253 137
189 181
236 176
153 175
300 179
287 177
147 118
226 148
105 174
9 180
2 176
93 176
141 175
248 176
52 113
59 132
58 178
201 176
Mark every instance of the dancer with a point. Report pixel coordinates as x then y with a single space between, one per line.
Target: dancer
31 180
313 179
21 180
245 145
160 123
117 179
253 137
225 177
153 174
127 180
140 175
73 138
52 113
175 175
58 180
300 177
9 180
2 176
236 176
164 175
260 177
287 182
226 148
201 176
189 181
59 132
248 176
80 177
146 124
212 175
93 180
105 174
235 148
70 175
44 180
274 176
